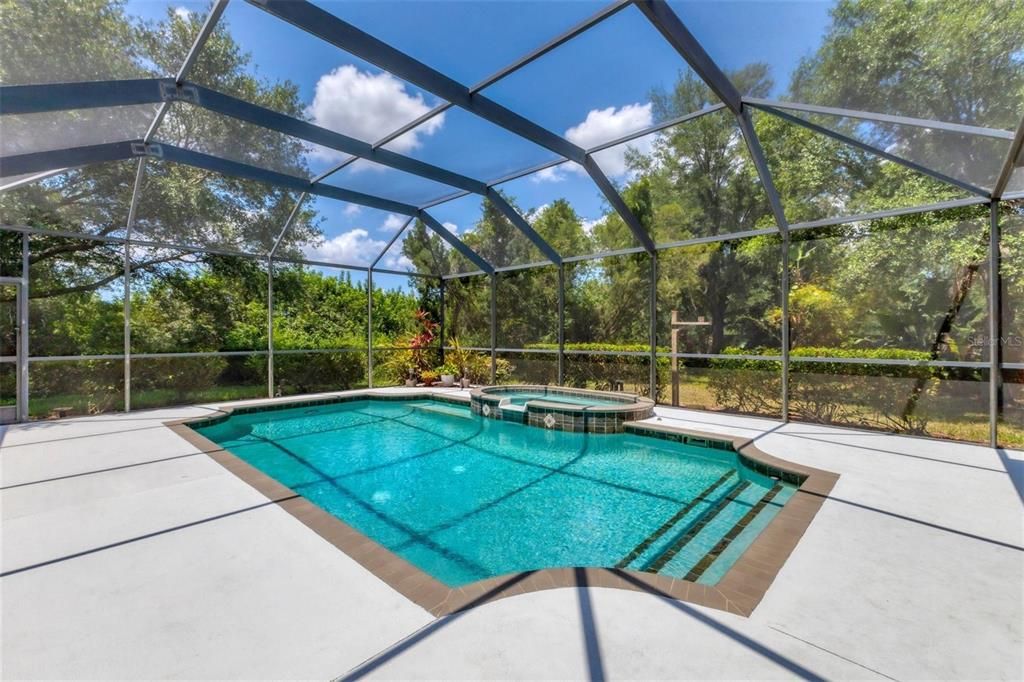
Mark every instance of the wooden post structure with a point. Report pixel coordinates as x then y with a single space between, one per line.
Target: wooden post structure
677 326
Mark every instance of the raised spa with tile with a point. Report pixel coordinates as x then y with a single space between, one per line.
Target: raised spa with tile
563 409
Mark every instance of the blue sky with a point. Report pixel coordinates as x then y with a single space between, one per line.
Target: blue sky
593 89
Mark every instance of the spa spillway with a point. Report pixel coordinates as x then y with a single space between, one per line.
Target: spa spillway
565 409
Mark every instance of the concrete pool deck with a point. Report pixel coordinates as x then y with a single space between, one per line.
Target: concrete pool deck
128 554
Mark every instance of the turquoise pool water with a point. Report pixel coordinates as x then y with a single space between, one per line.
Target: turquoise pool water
466 498
523 397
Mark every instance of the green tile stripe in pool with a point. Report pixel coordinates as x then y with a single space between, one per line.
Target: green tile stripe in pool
466 498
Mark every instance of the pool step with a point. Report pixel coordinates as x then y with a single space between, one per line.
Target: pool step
723 544
460 412
699 549
696 529
654 543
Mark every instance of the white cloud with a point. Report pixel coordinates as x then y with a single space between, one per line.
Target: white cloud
183 13
352 209
393 222
613 160
396 262
589 225
536 212
354 247
602 125
368 106
451 227
552 174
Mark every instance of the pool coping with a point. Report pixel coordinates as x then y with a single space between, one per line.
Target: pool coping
739 591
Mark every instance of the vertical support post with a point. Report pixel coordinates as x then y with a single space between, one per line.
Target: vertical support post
674 363
761 164
140 174
995 331
785 327
270 326
494 327
653 303
127 310
23 351
369 328
561 324
440 315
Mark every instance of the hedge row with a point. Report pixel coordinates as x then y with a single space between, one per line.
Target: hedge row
838 368
753 364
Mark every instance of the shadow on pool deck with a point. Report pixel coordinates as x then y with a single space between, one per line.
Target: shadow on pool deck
591 638
146 536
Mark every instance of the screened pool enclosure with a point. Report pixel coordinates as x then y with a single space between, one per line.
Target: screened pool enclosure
809 212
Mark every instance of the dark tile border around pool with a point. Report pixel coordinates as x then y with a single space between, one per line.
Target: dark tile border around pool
739 591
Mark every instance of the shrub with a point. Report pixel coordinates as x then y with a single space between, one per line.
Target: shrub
422 342
606 372
183 376
416 354
869 396
474 365
397 366
503 370
86 386
296 373
529 368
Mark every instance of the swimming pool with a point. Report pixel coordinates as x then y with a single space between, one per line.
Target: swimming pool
466 498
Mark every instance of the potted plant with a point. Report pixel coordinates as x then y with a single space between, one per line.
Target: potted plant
428 377
410 375
448 372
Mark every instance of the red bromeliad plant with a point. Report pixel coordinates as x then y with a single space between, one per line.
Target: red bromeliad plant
421 341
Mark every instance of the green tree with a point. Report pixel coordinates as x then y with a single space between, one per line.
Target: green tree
699 181
178 204
946 60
